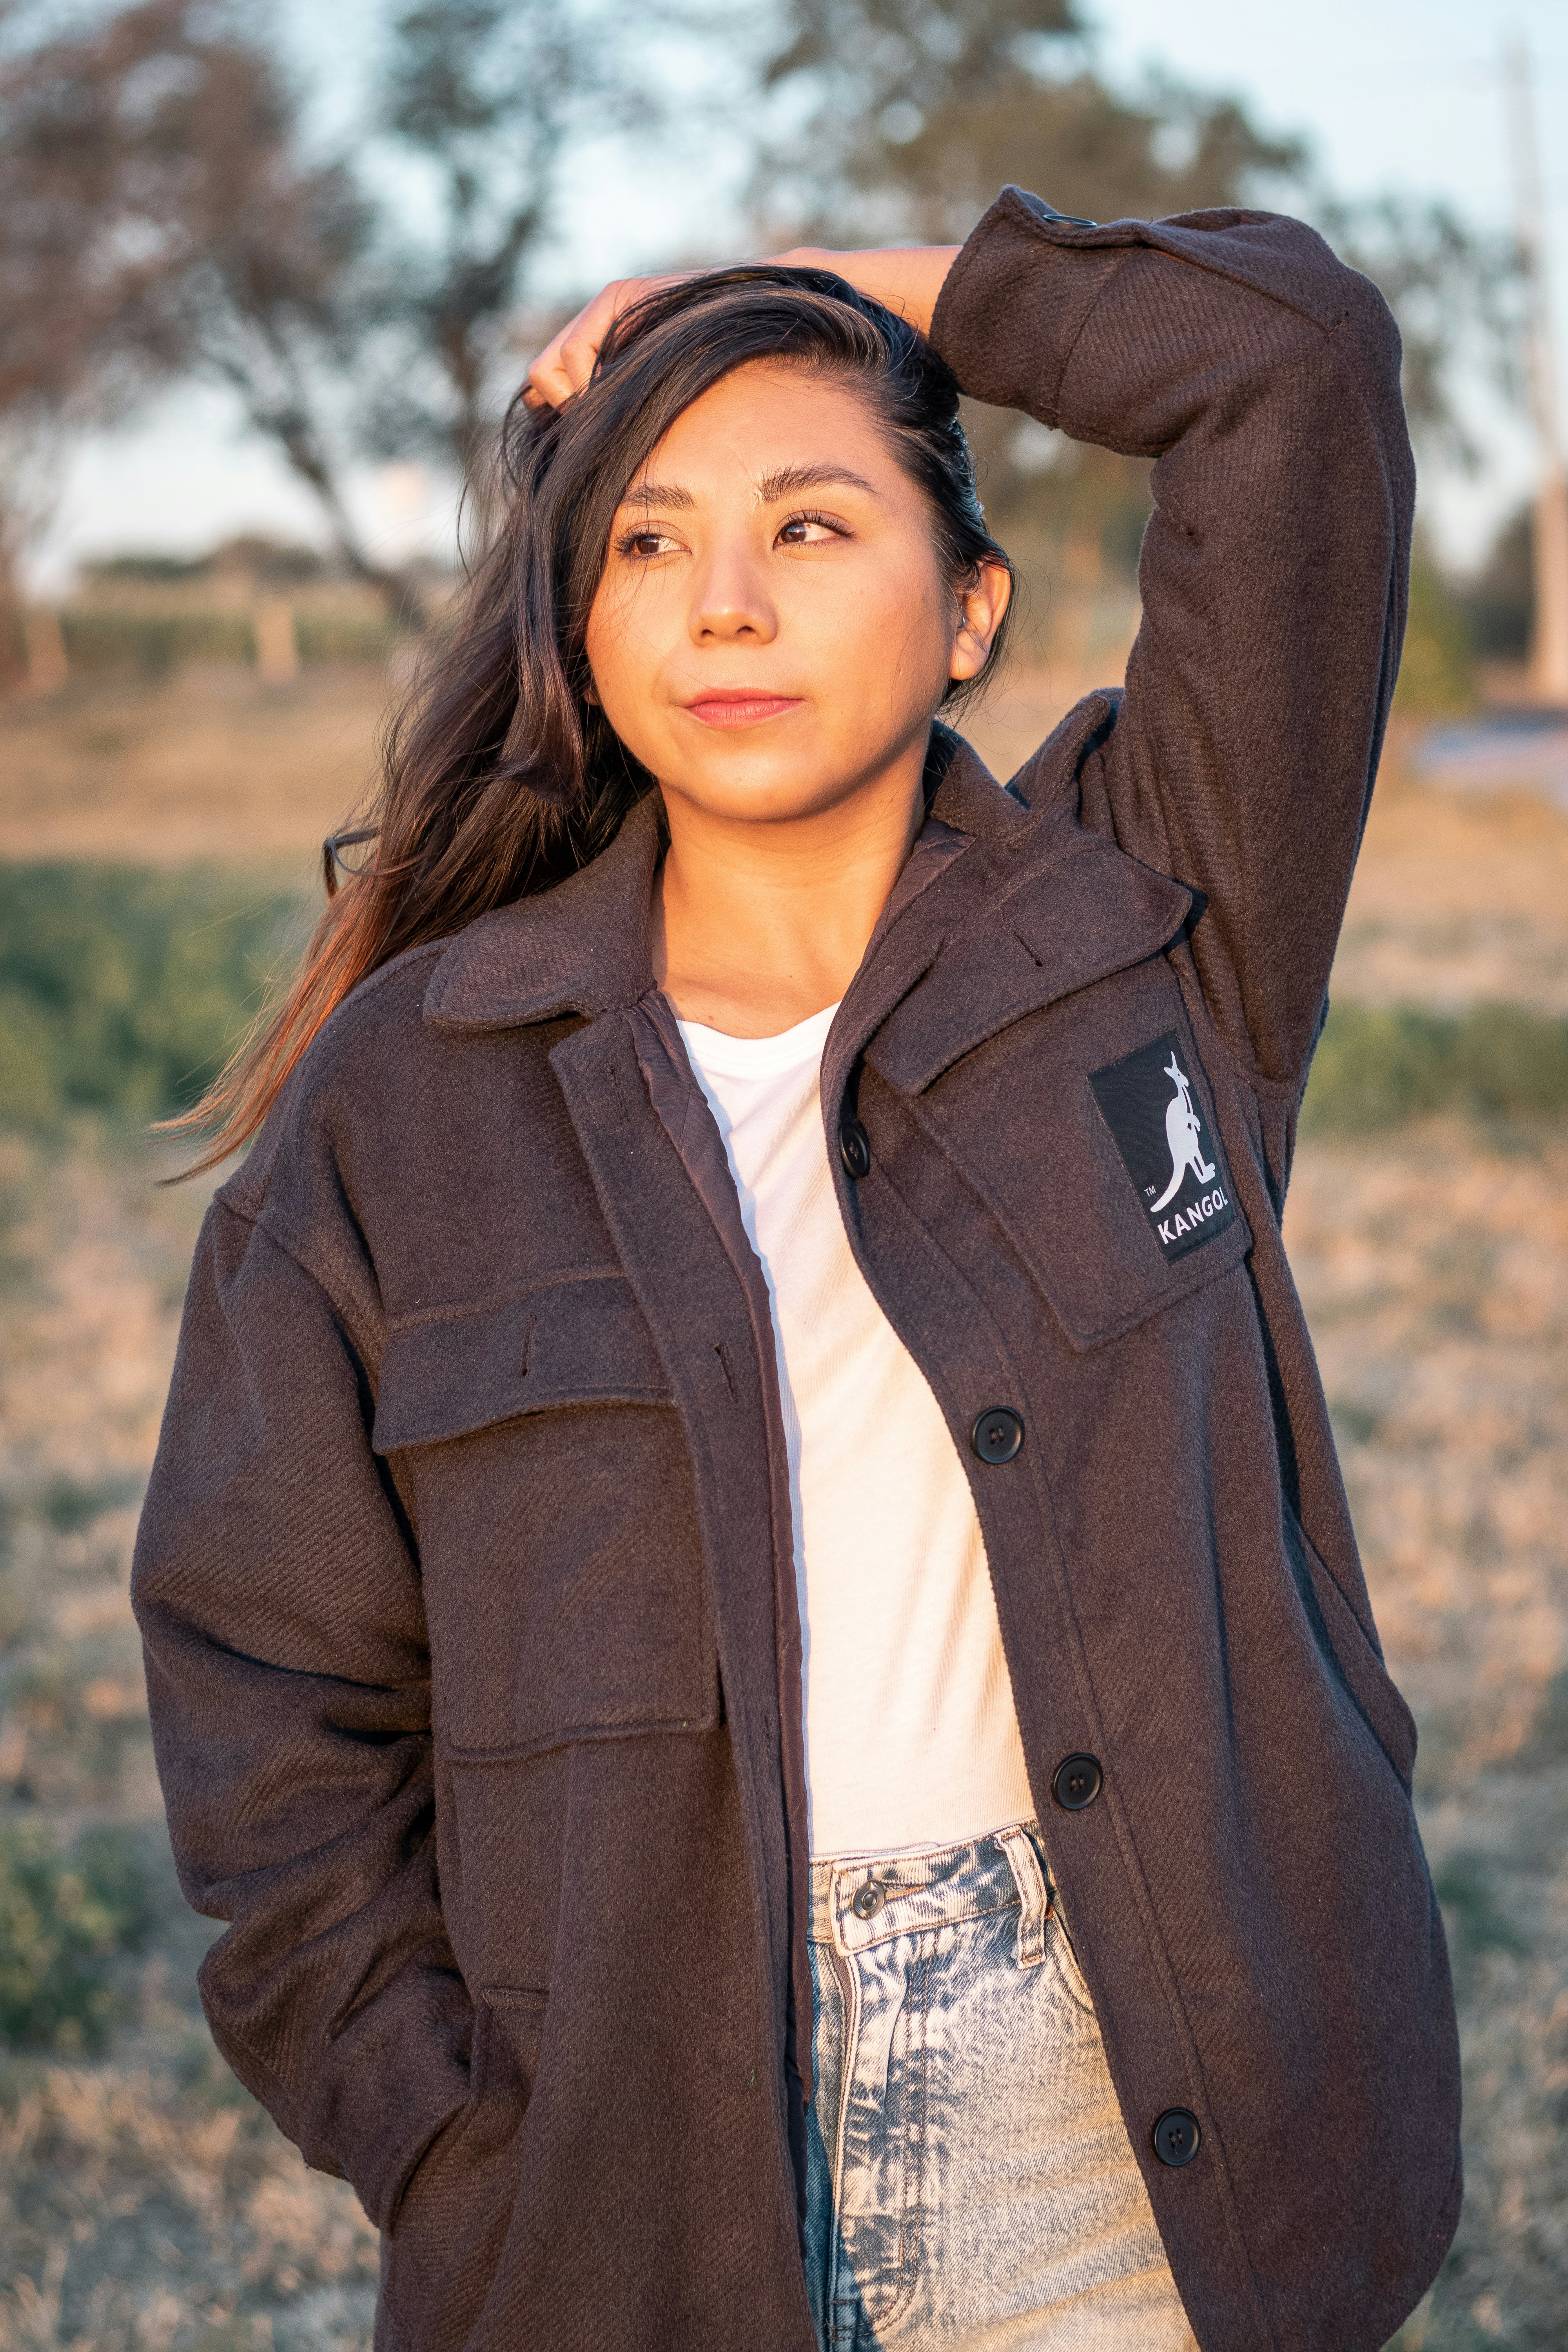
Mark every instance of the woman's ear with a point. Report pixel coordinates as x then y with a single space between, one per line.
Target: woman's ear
591 692
979 615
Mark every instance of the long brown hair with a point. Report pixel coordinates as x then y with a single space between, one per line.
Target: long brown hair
500 777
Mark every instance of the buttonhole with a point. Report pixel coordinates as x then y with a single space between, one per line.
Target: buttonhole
526 1347
1029 951
722 1354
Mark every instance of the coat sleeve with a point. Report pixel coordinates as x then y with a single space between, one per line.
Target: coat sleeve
287 1671
1262 377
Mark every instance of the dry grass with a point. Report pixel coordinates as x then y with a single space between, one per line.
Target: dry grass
1458 898
1434 1266
145 2201
147 2207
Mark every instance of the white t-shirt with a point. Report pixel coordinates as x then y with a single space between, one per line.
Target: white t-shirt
910 1734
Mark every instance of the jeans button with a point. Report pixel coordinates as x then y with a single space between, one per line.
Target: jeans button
868 1900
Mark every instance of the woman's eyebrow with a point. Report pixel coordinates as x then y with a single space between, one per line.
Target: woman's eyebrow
784 482
667 494
789 480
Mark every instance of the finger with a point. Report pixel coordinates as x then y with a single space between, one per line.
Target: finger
567 362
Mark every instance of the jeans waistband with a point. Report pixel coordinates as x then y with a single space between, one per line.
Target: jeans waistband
856 1904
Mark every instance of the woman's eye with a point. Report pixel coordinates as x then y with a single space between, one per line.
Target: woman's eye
645 543
808 530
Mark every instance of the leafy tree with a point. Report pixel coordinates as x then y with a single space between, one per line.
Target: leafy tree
904 117
1436 671
918 110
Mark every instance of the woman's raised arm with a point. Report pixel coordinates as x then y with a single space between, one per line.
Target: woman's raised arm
1262 377
908 279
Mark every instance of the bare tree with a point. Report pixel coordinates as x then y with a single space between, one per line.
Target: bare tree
160 218
1455 293
483 98
80 330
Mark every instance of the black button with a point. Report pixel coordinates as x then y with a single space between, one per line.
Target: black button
1176 2136
997 1435
854 1149
868 1900
1075 1783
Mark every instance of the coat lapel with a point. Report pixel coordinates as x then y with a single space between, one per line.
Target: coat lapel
1002 909
582 946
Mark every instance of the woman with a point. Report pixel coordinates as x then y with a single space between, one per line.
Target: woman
749 1606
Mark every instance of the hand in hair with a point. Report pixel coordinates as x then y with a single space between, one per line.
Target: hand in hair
908 279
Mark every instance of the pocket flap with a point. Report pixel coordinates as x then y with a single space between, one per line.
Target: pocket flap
449 1370
1117 1196
1096 912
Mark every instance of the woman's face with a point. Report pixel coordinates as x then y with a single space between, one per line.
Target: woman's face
773 632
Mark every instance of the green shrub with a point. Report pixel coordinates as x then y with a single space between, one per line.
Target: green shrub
1377 1066
121 991
342 636
67 1922
1436 670
151 645
103 641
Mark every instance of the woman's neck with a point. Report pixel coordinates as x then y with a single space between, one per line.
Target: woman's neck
759 925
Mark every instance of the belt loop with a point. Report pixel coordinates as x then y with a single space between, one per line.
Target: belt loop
1034 1895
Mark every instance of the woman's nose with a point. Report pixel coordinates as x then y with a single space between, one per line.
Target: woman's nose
731 604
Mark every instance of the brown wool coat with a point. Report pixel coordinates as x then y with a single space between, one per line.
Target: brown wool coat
468 1599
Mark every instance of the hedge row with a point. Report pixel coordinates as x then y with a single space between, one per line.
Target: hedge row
152 644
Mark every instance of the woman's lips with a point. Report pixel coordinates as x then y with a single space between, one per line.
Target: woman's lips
741 706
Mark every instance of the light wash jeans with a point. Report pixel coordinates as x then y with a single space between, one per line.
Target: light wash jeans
969 2179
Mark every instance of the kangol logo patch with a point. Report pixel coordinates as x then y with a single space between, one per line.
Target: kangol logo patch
1149 1105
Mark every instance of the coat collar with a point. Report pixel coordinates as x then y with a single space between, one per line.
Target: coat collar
585 947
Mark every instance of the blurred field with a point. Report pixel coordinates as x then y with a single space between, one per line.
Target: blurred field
205 767
143 2199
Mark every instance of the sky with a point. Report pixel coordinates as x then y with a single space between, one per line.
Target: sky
1401 95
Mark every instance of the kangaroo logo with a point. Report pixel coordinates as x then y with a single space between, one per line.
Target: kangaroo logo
1160 1137
1184 1133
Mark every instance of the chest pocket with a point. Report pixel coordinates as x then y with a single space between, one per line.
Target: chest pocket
1087 1124
551 1490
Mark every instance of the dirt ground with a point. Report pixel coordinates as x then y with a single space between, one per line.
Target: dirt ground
144 2200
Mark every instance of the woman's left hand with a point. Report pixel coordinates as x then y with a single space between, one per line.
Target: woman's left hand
908 279
566 363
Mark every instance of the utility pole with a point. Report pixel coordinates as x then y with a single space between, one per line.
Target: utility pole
1549 637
